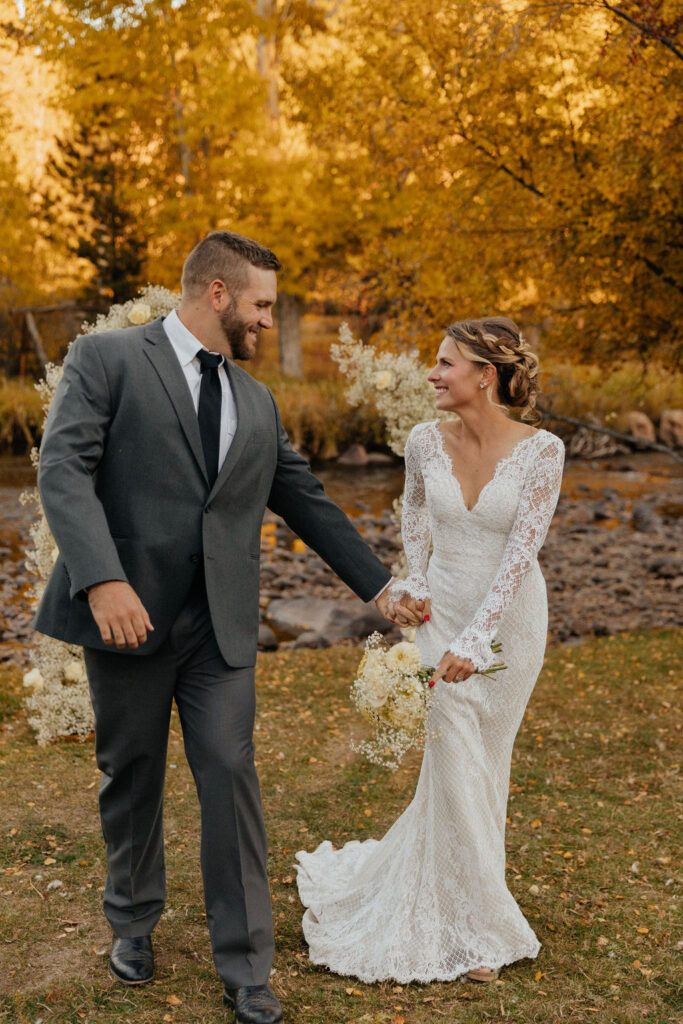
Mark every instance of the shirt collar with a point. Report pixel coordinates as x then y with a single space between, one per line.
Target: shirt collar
183 340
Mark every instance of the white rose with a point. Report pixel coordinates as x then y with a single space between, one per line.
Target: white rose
140 313
74 672
34 679
405 657
384 379
376 685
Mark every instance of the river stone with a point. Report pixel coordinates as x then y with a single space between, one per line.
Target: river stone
356 455
643 517
380 459
334 620
267 641
641 426
671 427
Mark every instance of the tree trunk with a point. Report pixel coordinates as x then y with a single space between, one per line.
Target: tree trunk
34 334
289 334
268 61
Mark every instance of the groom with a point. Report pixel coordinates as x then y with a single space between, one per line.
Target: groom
159 458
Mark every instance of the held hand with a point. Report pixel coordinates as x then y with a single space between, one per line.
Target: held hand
452 669
406 612
119 614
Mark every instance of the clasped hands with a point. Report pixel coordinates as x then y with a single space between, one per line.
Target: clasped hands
408 611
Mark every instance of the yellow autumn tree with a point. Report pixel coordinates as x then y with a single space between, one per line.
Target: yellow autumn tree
512 157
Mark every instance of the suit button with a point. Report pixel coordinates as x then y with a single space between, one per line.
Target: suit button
195 558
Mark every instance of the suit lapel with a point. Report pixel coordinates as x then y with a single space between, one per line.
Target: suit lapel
245 422
164 360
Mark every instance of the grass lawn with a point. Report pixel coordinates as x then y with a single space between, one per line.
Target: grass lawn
591 853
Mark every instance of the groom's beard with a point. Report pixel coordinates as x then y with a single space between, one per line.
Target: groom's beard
236 330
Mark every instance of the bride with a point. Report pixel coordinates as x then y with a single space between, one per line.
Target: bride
429 901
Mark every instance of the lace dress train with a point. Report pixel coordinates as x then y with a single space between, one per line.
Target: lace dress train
429 901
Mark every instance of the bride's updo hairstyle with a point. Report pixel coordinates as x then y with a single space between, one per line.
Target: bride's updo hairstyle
498 341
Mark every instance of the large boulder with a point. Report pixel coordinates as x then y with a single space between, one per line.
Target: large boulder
328 619
671 428
267 641
641 426
356 455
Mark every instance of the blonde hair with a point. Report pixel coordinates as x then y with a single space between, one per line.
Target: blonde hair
498 342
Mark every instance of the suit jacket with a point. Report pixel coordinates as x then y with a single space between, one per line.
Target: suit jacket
124 487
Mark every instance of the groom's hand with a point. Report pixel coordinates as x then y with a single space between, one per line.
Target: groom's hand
119 613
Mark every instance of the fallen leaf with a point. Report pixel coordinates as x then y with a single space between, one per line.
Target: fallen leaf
643 931
174 1001
538 975
353 992
49 860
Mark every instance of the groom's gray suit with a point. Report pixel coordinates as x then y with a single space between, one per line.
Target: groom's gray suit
126 494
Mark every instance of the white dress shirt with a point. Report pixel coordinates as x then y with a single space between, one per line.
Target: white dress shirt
186 346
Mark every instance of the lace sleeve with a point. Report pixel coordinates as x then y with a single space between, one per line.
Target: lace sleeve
536 507
415 531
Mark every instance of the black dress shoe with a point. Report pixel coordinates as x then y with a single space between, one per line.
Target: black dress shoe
132 960
254 1004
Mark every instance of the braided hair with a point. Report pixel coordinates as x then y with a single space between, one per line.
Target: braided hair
498 341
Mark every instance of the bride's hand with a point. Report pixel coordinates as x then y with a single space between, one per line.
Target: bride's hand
452 669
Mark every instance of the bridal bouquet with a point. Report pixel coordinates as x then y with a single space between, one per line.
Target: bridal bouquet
391 691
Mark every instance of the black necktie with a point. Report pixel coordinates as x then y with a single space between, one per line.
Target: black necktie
210 395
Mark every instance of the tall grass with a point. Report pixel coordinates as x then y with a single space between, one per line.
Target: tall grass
21 415
608 393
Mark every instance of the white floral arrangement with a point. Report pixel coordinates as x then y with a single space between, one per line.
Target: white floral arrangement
59 700
391 690
395 382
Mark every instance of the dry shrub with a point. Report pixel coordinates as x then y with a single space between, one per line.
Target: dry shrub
318 418
21 415
608 393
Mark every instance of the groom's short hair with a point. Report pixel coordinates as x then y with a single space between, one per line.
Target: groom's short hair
225 255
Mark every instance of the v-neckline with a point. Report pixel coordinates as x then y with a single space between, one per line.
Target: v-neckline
501 462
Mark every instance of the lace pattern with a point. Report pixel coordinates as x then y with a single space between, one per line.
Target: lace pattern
415 531
429 900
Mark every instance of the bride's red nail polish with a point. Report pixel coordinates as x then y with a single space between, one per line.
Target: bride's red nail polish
431 682
426 618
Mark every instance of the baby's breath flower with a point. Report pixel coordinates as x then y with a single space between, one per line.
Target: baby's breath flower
59 704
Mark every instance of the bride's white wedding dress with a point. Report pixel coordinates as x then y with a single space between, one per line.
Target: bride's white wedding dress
429 901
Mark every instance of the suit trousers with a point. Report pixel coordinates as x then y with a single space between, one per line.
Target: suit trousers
132 698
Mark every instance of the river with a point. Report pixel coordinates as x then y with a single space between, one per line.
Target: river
598 499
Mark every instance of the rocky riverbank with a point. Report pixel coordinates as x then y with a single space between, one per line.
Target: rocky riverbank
612 562
610 566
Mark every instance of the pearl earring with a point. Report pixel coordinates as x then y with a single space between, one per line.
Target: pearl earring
483 384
